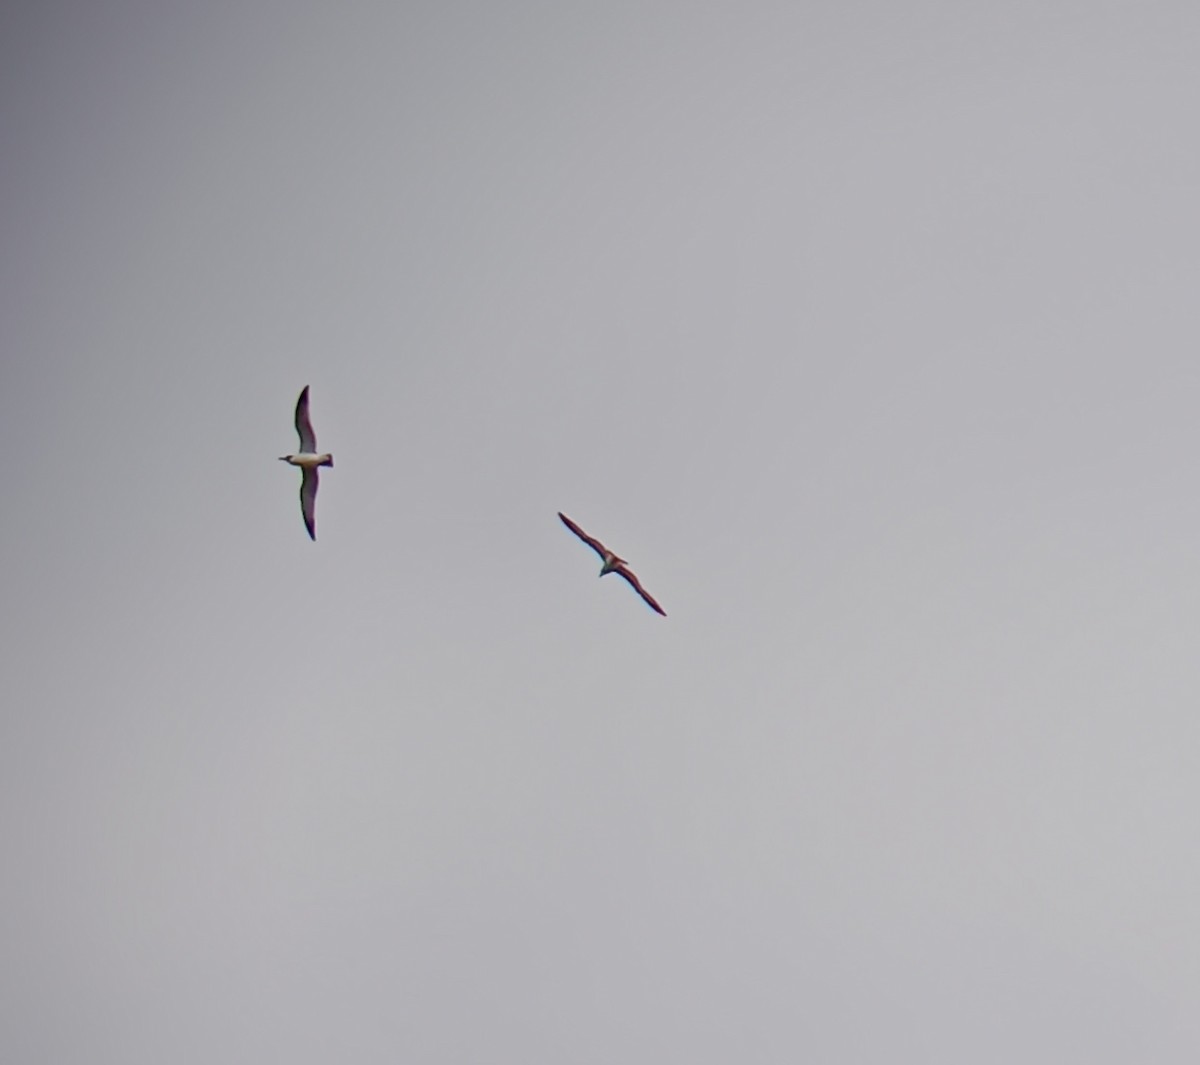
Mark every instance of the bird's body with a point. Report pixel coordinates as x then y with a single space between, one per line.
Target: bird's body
310 460
613 563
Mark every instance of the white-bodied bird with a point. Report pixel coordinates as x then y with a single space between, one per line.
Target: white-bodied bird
310 461
612 563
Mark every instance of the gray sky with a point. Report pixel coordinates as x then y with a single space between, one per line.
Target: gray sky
867 332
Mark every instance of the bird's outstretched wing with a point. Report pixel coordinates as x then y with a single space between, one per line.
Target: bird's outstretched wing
308 439
308 500
591 541
636 585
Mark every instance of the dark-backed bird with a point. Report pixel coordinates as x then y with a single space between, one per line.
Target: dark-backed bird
612 563
310 461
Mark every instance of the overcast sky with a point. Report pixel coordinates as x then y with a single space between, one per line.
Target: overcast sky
867 331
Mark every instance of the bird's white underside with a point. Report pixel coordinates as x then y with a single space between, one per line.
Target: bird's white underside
308 461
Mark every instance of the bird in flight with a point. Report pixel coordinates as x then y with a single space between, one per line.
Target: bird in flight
309 460
612 563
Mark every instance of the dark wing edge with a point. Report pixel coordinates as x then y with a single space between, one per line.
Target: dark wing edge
591 541
304 429
636 585
308 500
